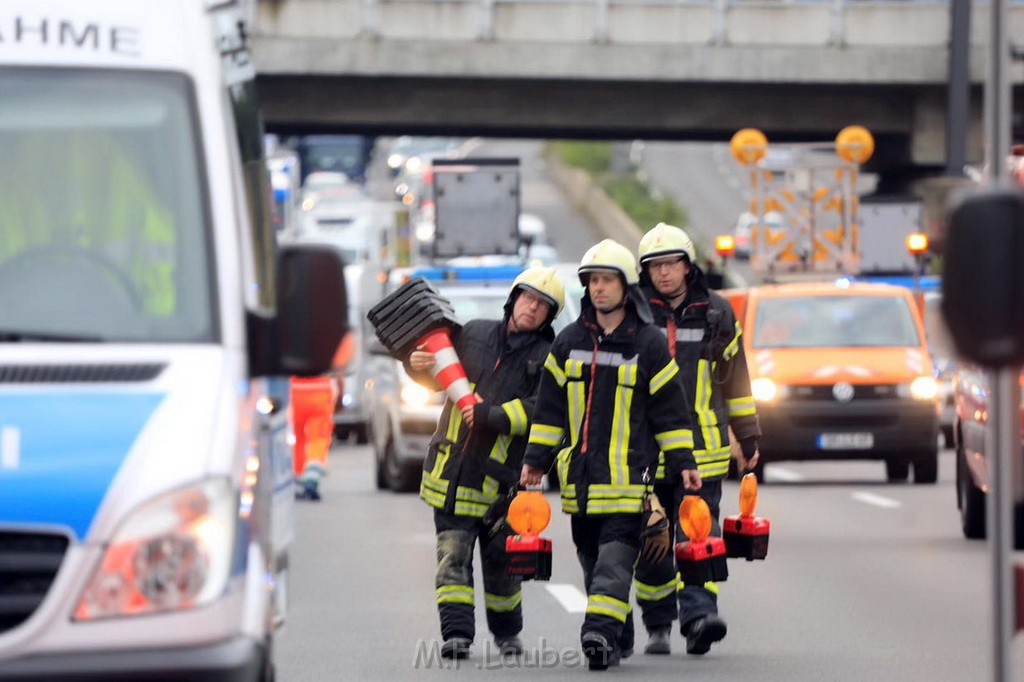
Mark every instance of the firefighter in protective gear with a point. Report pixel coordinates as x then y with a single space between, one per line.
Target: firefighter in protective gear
704 338
475 454
609 399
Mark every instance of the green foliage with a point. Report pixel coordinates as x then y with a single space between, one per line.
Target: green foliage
593 157
636 199
644 207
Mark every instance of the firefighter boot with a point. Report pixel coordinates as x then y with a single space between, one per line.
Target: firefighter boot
509 646
597 649
703 632
659 642
456 647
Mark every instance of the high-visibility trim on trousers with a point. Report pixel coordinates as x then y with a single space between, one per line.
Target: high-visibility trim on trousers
608 606
497 602
655 592
455 594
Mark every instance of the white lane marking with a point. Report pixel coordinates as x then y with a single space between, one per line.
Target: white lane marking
570 597
785 474
10 447
876 500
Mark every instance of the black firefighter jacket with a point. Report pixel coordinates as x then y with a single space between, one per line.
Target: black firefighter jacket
704 338
483 462
606 405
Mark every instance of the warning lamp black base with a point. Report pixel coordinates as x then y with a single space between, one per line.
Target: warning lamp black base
746 538
529 556
701 562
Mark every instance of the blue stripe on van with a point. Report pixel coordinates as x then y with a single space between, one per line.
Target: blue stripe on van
59 453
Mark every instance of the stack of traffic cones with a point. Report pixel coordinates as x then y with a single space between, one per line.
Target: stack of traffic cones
406 315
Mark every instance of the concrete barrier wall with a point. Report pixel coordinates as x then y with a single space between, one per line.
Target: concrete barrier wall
648 23
864 23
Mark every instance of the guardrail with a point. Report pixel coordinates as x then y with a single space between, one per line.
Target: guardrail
815 23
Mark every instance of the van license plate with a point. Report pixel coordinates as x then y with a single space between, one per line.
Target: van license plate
846 441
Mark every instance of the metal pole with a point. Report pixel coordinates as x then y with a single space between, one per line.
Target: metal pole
1001 435
1004 424
959 90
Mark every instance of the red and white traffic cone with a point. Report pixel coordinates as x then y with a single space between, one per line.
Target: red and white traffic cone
448 370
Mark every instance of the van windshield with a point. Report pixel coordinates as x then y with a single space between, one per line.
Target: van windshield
834 321
104 230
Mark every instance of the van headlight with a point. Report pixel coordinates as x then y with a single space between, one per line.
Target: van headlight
764 390
921 388
172 553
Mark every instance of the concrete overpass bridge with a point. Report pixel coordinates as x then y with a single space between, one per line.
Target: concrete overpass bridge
662 69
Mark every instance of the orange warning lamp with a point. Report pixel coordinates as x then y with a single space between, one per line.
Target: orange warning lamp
917 243
529 555
746 535
725 245
695 518
700 559
529 513
748 496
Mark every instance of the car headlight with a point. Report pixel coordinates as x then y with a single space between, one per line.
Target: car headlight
414 395
395 161
173 553
921 388
425 231
764 390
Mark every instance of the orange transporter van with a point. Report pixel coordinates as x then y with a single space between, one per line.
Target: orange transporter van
840 370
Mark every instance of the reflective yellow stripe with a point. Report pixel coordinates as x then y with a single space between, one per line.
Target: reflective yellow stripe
451 435
675 439
619 445
468 501
497 602
655 592
702 406
576 398
551 365
499 453
608 606
516 416
622 505
713 470
664 376
605 491
734 345
431 497
545 434
455 594
741 407
574 369
711 456
709 585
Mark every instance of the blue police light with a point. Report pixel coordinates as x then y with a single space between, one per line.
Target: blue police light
469 273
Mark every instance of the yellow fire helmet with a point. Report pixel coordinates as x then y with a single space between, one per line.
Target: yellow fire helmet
609 255
545 283
665 240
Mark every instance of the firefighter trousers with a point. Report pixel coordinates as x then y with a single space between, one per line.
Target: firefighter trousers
607 546
456 541
661 596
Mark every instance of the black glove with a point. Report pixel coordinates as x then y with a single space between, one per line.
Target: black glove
749 448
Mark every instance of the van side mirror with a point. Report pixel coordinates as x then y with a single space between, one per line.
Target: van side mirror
983 281
311 308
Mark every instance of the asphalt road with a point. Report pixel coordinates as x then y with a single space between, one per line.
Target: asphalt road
863 581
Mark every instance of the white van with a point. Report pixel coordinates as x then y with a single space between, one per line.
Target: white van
145 473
